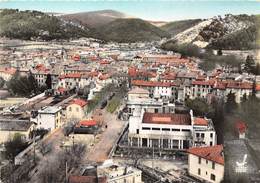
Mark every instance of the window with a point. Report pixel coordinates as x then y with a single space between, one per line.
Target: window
199 171
77 109
206 161
166 129
199 160
137 131
156 129
197 135
212 177
210 143
202 135
211 135
213 165
146 128
69 108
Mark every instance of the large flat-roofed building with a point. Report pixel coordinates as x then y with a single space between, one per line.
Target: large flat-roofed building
10 127
169 130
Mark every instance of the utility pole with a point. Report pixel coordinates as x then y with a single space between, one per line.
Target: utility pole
34 158
66 172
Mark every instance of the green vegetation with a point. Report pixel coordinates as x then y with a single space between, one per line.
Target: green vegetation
2 82
100 97
14 146
209 60
22 85
179 26
257 22
199 106
34 24
240 40
131 30
113 104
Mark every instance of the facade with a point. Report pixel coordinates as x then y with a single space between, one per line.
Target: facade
76 109
119 174
206 163
48 118
7 73
8 128
169 130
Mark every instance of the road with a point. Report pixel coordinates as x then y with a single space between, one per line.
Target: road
101 150
54 139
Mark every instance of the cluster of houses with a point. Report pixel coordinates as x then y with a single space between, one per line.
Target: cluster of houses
157 83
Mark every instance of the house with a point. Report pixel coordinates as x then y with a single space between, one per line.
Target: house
116 173
48 118
7 73
10 127
206 163
139 98
76 109
241 129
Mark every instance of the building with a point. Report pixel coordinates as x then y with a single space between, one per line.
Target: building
139 98
48 118
10 127
116 173
206 163
169 130
7 73
76 109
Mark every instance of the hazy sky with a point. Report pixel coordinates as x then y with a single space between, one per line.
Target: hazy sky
166 10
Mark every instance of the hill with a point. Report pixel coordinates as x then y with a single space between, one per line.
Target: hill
131 30
228 32
94 19
179 26
28 25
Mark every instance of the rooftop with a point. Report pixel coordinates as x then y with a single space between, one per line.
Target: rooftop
79 102
49 110
200 121
212 153
14 125
167 118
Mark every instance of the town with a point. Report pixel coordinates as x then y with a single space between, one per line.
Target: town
90 111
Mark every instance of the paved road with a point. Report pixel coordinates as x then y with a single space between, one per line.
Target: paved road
100 152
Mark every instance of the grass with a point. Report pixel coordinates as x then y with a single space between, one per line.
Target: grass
113 105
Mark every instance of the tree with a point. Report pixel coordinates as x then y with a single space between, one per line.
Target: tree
48 81
2 82
231 102
199 106
219 52
250 64
14 146
22 85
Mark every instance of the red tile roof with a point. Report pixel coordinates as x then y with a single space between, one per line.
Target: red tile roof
87 123
212 153
152 83
200 121
240 126
167 118
71 75
6 70
239 85
257 87
79 102
208 82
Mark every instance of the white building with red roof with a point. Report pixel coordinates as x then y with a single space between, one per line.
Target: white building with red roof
76 109
169 130
206 163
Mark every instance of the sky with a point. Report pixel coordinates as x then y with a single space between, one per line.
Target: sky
157 10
